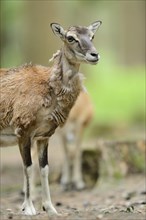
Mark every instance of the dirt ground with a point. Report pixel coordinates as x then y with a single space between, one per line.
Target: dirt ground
123 199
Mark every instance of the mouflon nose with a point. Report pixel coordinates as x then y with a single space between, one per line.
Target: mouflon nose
95 55
92 56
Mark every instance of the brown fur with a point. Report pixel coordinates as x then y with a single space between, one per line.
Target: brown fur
23 92
26 90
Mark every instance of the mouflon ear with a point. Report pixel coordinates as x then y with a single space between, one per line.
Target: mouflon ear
94 26
58 30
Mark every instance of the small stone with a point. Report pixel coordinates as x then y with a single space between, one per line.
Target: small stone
9 210
75 209
130 209
10 216
100 216
111 196
58 204
86 204
143 193
129 195
143 203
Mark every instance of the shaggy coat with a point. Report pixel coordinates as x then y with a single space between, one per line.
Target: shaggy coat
30 90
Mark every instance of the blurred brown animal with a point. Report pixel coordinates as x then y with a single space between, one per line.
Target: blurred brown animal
35 100
72 134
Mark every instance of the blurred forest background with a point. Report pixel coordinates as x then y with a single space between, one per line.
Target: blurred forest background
117 84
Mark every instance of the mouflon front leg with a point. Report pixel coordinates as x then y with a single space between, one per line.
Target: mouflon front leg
44 170
25 150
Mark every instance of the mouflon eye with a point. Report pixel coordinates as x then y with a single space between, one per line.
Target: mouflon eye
70 39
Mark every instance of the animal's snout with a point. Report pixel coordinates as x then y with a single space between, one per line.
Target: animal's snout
95 55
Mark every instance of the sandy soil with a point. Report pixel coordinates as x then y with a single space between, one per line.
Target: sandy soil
110 200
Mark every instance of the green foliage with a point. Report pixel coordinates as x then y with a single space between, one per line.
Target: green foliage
12 15
118 93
